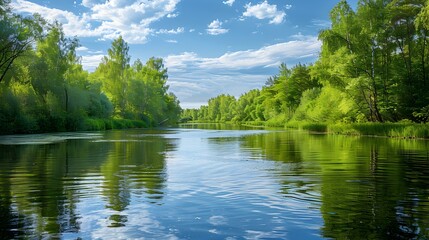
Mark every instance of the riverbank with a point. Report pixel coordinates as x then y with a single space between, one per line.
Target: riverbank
407 130
88 124
393 130
92 124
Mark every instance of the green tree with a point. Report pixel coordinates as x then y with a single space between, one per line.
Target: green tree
112 73
148 97
298 82
16 36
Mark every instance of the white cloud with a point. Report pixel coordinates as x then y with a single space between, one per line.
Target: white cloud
196 88
264 10
172 15
215 28
171 31
195 79
229 2
181 61
321 23
300 47
90 3
171 41
106 19
82 49
91 62
73 25
95 52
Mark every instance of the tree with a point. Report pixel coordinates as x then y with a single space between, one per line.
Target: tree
16 36
112 72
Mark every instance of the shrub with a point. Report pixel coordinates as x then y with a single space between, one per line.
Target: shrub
314 127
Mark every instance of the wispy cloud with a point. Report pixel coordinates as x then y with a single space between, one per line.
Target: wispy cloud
82 49
265 10
321 23
215 28
171 31
301 46
131 19
195 79
91 3
172 15
229 2
91 62
73 25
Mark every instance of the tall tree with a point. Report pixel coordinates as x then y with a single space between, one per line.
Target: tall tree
348 58
412 55
113 74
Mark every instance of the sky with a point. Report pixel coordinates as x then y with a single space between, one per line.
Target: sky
210 47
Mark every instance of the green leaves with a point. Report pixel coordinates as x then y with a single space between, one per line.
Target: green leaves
138 91
373 66
16 36
48 90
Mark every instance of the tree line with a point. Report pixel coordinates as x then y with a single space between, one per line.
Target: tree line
373 67
43 86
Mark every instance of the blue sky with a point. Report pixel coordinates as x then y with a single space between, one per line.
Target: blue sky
210 47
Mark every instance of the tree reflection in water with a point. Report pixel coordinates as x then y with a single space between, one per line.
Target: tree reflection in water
331 186
41 185
370 188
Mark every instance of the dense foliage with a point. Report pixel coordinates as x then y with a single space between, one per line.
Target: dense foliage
43 86
373 67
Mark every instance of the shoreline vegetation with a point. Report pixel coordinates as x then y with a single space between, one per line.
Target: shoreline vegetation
404 130
88 124
371 77
44 88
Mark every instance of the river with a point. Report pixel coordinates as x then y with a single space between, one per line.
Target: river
212 182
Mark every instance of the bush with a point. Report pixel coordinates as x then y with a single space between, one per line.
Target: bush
127 123
277 121
314 127
308 126
91 124
401 130
342 128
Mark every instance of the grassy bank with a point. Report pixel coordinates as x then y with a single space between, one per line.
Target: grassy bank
88 124
92 124
396 130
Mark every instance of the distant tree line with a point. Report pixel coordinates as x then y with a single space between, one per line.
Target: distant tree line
373 67
43 86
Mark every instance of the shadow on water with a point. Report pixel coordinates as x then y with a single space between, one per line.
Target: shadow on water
42 183
368 188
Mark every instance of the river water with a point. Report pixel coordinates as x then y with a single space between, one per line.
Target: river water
212 182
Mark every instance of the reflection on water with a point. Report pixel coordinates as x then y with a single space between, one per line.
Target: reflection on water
44 186
212 182
368 188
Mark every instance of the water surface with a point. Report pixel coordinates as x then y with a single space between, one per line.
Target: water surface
212 182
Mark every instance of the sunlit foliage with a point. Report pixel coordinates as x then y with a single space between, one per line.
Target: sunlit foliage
373 67
43 86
